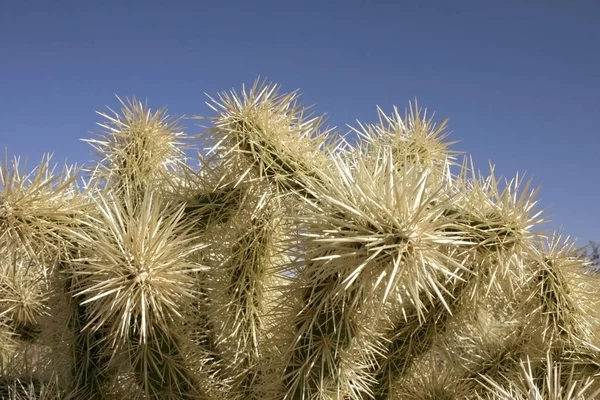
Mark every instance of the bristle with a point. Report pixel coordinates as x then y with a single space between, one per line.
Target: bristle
273 133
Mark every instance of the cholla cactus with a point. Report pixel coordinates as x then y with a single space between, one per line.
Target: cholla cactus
289 265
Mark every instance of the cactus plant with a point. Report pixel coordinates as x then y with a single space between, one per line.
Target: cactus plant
289 264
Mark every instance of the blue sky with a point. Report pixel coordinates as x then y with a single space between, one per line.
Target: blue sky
519 80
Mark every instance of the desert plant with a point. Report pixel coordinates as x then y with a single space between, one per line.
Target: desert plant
288 264
592 255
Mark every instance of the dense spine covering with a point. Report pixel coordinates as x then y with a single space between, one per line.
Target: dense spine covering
290 264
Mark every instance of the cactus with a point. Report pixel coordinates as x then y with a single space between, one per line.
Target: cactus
289 264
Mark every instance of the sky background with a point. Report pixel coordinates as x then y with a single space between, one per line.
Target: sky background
519 80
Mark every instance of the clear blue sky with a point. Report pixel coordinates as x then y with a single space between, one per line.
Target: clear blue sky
519 80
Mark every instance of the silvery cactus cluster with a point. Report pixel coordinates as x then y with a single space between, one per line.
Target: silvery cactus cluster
285 261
